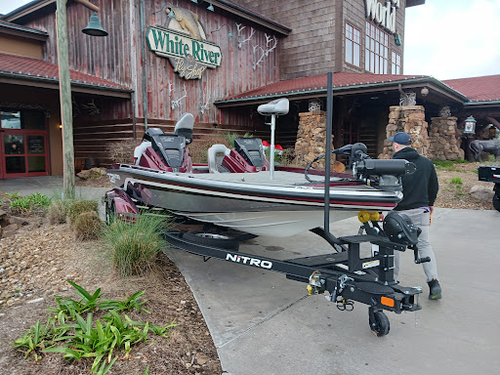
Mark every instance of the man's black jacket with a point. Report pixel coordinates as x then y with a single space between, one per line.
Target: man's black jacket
420 188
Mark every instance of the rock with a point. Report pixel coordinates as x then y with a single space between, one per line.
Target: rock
482 192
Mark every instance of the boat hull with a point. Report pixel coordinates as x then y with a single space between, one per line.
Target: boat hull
248 202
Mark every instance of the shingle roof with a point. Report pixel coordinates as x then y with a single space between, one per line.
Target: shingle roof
477 89
28 68
319 82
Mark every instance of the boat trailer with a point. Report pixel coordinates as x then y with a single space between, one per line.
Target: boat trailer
344 275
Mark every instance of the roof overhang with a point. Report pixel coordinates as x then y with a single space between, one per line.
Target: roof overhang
22 32
52 83
227 6
435 86
412 3
482 104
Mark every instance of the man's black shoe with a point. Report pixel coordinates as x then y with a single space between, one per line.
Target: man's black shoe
435 289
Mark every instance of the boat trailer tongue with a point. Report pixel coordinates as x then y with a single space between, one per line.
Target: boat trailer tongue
344 277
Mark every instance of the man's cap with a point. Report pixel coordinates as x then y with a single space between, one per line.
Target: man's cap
402 138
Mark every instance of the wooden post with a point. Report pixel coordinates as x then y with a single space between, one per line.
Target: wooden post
65 100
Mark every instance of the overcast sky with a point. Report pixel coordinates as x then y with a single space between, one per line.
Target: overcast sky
444 39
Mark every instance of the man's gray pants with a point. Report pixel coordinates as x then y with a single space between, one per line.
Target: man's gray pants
420 218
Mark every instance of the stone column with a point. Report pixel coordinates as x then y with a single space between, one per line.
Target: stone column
311 139
444 139
411 120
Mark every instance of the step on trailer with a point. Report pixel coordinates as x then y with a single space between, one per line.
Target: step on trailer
344 276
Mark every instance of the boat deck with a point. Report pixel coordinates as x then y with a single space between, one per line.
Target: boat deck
281 178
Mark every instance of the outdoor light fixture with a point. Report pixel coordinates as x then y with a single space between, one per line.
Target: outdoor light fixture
94 27
397 39
424 91
229 34
211 7
470 125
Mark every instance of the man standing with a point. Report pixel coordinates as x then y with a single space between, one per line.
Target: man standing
419 193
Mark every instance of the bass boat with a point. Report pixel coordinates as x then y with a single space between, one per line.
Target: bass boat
240 189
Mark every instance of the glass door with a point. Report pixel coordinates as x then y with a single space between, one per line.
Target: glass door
23 144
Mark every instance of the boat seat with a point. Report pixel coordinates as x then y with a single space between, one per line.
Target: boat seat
216 155
185 127
252 151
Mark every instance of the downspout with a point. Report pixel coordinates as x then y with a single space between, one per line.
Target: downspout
143 63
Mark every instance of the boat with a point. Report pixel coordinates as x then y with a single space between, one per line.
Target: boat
241 189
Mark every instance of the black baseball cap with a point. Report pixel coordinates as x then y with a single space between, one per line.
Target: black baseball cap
402 138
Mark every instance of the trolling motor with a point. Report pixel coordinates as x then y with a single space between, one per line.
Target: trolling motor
382 173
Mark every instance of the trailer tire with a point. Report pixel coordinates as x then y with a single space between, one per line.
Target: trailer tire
220 241
380 324
496 201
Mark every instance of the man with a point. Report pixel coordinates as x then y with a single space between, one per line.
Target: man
419 193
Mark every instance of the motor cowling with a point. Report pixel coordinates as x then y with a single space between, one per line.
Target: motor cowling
399 228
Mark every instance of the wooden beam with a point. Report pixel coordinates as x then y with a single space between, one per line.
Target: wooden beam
89 5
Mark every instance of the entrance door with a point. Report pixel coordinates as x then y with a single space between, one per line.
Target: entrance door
23 144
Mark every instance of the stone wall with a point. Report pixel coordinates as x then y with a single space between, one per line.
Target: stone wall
410 120
445 139
311 138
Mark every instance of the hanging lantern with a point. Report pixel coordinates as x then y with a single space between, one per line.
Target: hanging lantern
470 125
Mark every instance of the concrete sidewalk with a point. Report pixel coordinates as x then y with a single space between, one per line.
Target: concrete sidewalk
52 186
263 323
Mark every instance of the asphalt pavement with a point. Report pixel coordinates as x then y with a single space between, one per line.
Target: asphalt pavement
265 324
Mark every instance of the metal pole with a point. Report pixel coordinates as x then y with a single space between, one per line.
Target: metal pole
328 152
65 100
271 166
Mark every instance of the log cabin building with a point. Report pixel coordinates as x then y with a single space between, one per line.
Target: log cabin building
219 60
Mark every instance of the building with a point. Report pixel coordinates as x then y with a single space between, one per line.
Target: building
218 60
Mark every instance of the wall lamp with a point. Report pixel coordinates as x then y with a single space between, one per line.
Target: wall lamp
229 34
424 91
210 7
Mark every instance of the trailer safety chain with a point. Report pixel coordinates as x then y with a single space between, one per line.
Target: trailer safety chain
336 296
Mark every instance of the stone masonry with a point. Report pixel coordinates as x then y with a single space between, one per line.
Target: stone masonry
410 120
445 139
440 140
310 138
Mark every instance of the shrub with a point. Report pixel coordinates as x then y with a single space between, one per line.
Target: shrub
57 212
134 247
87 226
122 152
78 207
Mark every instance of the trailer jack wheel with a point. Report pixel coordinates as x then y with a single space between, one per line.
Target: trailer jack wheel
379 323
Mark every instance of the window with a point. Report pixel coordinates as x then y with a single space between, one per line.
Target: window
352 45
396 63
377 49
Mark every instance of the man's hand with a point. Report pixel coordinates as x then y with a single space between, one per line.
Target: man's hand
430 214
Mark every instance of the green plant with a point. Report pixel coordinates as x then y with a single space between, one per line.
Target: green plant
135 247
35 202
78 336
230 137
456 181
87 226
78 207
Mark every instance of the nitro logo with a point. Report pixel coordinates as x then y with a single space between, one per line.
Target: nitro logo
249 261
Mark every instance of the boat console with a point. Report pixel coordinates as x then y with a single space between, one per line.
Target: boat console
167 152
247 157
